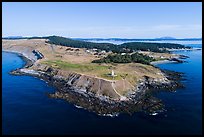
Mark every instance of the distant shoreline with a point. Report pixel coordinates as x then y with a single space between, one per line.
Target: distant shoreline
184 49
161 62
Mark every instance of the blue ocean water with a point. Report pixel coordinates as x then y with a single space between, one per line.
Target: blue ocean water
26 109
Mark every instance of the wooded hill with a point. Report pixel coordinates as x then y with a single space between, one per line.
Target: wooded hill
128 47
125 47
118 58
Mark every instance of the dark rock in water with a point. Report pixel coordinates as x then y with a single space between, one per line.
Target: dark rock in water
15 72
93 104
177 60
140 101
175 78
173 75
183 57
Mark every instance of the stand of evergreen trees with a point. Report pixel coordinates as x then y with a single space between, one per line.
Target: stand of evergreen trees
118 58
80 44
125 47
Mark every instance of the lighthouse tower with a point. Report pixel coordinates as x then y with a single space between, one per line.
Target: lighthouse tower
112 74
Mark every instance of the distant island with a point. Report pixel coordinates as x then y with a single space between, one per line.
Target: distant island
103 78
132 39
118 39
167 37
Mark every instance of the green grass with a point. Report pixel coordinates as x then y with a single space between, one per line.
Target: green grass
99 70
71 66
91 69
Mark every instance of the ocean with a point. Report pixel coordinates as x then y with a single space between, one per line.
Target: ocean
26 108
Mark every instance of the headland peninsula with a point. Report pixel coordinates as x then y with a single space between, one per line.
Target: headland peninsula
104 78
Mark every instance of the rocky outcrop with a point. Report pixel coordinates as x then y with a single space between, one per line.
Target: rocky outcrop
27 53
99 95
96 94
89 84
38 54
176 60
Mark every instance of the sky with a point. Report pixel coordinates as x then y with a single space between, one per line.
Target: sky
103 19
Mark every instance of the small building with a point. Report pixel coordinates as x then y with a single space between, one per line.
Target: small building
103 51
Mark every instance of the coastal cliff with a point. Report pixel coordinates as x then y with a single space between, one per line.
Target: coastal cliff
97 94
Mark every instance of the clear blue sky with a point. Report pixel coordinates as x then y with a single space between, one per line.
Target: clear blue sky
101 19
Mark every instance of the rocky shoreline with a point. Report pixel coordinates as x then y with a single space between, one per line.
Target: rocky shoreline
172 60
29 61
141 100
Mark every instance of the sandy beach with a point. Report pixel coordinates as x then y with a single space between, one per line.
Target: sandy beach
162 62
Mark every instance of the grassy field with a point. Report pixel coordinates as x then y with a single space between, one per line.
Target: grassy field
90 69
131 72
80 62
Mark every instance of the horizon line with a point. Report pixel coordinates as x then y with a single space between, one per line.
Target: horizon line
163 37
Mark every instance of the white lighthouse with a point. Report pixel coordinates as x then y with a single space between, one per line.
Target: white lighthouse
113 74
